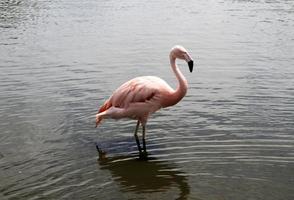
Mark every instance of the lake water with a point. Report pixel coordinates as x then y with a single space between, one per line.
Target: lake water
231 137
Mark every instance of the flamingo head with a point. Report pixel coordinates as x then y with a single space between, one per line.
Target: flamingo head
181 53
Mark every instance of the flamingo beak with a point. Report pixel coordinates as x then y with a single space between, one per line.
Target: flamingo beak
189 60
190 64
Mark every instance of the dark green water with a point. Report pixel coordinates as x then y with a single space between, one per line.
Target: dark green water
231 137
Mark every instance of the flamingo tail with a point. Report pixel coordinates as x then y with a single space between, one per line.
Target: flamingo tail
102 109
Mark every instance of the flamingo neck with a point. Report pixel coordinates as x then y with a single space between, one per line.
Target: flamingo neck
181 89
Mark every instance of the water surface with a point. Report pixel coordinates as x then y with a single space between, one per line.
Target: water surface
231 137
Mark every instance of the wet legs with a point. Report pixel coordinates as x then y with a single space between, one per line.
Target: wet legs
144 153
144 142
137 138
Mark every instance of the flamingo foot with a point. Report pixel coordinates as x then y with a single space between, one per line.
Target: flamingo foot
143 155
101 153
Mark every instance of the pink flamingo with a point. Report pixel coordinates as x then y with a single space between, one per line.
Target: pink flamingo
142 96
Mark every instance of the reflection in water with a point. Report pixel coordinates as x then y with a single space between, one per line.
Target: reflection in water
145 176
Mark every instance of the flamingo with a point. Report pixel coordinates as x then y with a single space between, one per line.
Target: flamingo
142 96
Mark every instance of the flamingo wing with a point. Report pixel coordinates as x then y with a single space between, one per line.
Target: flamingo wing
137 98
131 91
140 89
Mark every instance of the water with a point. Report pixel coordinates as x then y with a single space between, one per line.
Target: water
231 137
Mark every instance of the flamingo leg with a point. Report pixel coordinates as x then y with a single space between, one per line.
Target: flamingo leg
137 138
144 142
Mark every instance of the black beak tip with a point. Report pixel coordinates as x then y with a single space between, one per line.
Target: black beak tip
191 64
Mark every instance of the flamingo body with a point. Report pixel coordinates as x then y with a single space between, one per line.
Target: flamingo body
137 99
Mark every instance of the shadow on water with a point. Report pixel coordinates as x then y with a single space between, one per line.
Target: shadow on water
145 176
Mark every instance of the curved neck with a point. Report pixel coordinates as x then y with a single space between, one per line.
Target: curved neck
181 90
